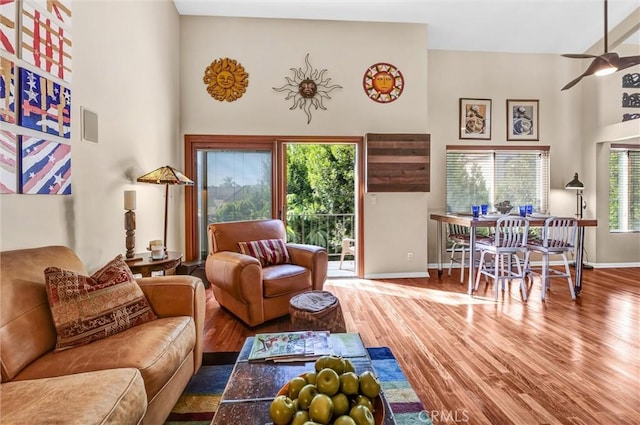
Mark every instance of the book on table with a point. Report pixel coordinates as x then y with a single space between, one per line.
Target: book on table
290 346
304 346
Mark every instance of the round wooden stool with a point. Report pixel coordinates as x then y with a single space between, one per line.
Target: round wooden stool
317 310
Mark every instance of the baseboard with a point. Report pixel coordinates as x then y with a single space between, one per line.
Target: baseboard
409 275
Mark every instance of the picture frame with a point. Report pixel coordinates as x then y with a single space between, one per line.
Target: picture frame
522 119
475 118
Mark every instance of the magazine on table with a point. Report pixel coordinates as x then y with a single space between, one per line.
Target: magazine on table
290 346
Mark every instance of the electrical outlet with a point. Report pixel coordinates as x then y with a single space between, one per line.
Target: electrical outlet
409 256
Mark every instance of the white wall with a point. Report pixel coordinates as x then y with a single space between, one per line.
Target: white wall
267 49
125 68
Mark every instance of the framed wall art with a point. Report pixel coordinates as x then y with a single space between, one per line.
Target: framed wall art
475 119
522 119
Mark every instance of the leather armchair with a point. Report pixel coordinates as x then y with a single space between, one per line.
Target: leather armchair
253 293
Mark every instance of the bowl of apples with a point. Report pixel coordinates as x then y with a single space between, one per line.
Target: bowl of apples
332 394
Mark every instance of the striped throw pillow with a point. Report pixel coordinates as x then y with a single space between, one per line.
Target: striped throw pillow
268 251
88 308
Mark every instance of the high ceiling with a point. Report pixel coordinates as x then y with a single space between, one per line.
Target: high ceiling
516 26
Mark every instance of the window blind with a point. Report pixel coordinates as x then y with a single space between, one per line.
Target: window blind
492 175
624 188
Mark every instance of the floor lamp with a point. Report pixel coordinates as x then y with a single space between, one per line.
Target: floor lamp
167 176
577 185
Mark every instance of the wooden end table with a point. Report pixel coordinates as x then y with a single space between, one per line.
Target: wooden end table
142 263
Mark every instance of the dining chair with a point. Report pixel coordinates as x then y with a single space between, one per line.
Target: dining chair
348 248
459 238
558 237
500 254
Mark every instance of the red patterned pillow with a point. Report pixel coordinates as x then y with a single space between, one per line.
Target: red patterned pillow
269 251
86 309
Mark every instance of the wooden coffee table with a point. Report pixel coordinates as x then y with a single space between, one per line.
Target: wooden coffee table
253 385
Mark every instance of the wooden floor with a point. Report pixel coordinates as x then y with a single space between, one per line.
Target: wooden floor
476 361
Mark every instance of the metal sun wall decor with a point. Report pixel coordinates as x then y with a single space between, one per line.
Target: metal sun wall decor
383 82
307 88
226 80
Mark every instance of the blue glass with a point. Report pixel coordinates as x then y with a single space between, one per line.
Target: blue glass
529 209
484 208
523 210
475 210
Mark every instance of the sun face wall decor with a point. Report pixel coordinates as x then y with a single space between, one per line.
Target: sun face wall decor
226 80
383 82
307 88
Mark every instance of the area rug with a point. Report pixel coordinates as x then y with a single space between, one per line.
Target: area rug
198 403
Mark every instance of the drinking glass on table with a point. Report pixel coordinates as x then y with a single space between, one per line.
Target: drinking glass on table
475 210
484 208
523 210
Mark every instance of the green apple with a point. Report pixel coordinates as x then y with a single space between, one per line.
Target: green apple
369 384
344 420
328 382
333 362
336 363
295 385
300 417
348 366
349 383
340 404
365 401
306 394
281 410
361 415
310 377
321 409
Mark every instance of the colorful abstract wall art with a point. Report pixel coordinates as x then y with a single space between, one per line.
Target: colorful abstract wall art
8 26
46 42
45 106
8 164
7 91
46 167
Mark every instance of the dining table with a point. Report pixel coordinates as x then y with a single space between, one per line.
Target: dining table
488 221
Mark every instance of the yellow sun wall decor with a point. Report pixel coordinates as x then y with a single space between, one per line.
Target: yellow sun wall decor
226 79
307 88
383 82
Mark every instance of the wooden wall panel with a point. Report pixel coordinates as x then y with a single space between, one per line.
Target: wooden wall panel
398 162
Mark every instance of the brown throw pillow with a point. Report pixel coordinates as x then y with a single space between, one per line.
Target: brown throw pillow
86 309
269 251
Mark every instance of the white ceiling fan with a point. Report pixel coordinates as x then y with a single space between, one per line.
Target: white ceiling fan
606 63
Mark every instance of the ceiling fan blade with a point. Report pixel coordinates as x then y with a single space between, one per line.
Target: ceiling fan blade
572 83
599 62
626 62
578 56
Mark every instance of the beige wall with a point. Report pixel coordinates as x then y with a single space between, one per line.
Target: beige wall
396 223
125 68
139 66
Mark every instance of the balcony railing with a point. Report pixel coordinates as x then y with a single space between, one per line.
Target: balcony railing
326 230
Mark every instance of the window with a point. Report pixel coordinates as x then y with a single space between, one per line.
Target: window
491 175
624 188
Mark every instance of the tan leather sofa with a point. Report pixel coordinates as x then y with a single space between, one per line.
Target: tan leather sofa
135 376
253 293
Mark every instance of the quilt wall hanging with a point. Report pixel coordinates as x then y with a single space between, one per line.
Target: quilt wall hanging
35 96
307 88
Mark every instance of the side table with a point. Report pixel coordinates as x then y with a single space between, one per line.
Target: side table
142 263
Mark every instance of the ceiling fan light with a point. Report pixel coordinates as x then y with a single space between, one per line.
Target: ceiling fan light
610 69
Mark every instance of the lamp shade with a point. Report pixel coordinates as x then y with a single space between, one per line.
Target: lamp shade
575 183
165 175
